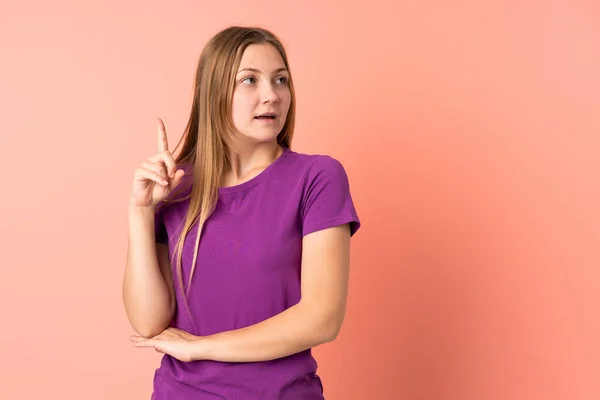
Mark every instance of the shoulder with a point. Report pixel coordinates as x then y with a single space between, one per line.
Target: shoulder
320 176
326 199
315 165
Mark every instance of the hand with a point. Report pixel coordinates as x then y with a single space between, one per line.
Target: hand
156 178
172 341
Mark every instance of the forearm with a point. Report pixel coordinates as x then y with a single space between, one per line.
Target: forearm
294 330
146 294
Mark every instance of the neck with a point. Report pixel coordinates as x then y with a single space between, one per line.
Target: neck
248 162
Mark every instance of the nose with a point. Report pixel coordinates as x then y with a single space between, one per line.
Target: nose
269 94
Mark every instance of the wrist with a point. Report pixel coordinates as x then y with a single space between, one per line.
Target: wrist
134 208
200 348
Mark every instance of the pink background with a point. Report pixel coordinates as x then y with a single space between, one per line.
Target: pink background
471 136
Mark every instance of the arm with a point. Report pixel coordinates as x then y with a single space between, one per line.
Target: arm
148 293
315 320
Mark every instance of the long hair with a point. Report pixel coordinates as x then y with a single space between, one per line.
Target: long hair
210 130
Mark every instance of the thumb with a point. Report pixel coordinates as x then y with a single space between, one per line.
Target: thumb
178 178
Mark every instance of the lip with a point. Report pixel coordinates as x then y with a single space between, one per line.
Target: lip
266 120
274 114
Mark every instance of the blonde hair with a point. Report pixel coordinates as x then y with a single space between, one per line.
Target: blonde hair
210 130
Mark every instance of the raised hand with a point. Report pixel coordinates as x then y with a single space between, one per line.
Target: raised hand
156 177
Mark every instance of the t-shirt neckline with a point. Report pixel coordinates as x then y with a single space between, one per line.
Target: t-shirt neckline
255 180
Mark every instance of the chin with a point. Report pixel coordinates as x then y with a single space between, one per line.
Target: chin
262 137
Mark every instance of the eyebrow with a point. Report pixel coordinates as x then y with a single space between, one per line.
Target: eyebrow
257 70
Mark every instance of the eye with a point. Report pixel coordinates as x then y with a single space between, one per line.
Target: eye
248 78
283 80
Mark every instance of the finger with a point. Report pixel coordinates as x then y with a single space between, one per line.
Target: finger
144 173
141 341
159 168
163 143
177 179
167 159
143 344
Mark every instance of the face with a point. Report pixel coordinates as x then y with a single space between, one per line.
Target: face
261 96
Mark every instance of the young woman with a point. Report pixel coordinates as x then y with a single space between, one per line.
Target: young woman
238 252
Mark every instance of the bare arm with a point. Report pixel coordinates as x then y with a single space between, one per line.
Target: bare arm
148 293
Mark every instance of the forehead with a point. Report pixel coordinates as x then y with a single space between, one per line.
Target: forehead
264 57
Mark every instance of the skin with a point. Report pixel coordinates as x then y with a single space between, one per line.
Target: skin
261 86
319 315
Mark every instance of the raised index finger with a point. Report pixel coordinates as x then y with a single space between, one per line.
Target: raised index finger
163 144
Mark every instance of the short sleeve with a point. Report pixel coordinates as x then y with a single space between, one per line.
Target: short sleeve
160 230
327 201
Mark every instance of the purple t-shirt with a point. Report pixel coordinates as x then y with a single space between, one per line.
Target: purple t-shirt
248 270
